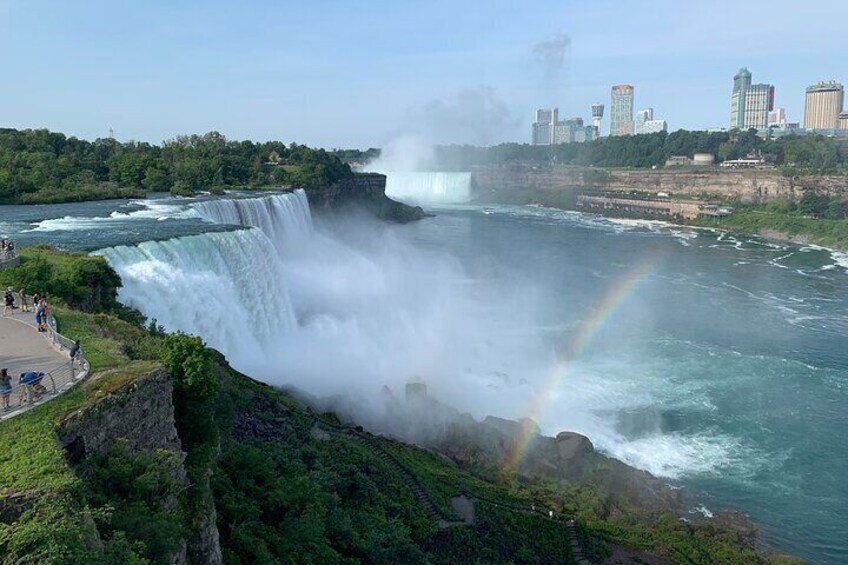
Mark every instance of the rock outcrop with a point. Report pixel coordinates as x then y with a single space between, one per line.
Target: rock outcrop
366 191
141 417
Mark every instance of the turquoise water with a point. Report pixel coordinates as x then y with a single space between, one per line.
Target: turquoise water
722 364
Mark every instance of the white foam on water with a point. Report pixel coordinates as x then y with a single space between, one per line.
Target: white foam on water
840 258
703 510
152 210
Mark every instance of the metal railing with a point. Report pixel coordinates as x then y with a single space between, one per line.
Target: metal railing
54 382
9 258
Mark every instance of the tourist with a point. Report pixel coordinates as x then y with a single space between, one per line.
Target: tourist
31 386
22 301
45 314
74 351
40 314
9 301
5 388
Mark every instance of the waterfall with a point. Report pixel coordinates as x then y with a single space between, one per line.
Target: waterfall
442 188
284 218
226 287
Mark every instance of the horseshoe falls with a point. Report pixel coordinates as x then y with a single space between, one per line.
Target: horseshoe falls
429 187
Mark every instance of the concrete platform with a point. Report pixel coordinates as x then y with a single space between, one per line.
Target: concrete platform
23 348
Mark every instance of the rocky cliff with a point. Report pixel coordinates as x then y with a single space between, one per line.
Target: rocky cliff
366 191
535 182
140 417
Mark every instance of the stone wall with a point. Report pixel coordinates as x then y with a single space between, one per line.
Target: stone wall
672 209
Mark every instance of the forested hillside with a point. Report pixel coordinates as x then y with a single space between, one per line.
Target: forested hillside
794 154
38 166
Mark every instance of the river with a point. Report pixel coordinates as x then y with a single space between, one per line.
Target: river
715 360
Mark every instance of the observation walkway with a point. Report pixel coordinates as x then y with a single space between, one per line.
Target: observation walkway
23 348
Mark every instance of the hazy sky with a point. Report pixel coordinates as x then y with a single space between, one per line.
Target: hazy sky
360 73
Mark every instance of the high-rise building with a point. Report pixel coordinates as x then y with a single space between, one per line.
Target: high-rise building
741 84
654 126
759 101
642 117
597 115
777 118
823 105
843 120
750 103
544 128
645 122
548 130
621 110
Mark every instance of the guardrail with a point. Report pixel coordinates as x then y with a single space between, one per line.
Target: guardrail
9 258
54 382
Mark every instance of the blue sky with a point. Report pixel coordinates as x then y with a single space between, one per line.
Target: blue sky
361 73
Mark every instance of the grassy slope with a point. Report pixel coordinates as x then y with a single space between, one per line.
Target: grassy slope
759 220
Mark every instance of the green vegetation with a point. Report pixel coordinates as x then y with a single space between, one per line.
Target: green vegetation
39 166
284 481
795 155
357 156
82 282
814 219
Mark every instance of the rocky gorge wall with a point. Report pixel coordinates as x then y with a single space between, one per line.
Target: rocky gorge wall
141 417
754 186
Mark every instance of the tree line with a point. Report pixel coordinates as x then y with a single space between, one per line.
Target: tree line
43 166
793 154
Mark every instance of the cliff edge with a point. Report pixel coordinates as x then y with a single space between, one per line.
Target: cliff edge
365 191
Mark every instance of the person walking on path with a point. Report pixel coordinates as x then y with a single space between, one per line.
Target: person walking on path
5 388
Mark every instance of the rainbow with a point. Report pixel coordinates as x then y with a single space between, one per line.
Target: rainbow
609 304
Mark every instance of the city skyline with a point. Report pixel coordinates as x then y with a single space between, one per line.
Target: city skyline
376 71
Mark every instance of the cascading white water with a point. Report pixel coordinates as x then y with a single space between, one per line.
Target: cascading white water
429 187
284 218
227 287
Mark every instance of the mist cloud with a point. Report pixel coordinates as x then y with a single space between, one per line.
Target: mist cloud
553 56
475 116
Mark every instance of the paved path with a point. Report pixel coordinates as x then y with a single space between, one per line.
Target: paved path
23 348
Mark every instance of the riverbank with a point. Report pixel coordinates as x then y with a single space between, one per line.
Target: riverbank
785 227
763 202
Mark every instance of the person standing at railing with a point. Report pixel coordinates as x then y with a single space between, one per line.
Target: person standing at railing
5 388
73 352
22 301
41 313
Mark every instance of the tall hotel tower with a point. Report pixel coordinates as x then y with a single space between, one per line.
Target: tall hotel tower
621 110
823 105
